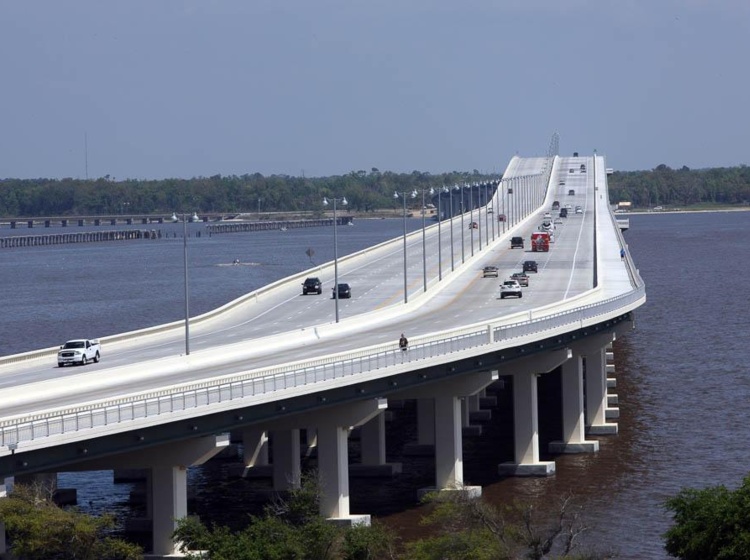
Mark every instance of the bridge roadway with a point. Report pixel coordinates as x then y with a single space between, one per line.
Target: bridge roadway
258 329
281 346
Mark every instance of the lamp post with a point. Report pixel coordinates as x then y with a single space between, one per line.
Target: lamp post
431 191
440 237
187 306
396 195
463 229
455 188
486 215
471 216
495 202
335 251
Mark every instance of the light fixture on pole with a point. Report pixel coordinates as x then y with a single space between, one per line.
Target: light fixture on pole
335 251
431 192
396 195
463 228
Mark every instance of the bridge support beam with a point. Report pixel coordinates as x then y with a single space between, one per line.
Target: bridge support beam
526 413
573 426
446 395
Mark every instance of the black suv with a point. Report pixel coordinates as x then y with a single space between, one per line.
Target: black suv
312 286
345 291
529 266
516 242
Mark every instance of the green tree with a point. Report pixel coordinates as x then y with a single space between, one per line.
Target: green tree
470 528
712 523
38 529
289 529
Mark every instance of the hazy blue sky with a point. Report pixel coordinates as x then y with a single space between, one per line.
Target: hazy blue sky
322 87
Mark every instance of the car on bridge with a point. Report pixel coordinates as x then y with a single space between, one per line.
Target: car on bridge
510 288
530 266
345 291
312 285
473 225
516 242
579 210
571 192
521 277
79 351
490 271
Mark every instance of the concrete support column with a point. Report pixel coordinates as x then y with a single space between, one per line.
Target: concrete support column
372 451
333 470
464 412
255 444
526 430
169 485
372 441
425 421
311 437
596 394
574 430
449 466
287 473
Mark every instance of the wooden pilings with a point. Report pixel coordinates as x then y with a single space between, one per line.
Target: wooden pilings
79 237
235 227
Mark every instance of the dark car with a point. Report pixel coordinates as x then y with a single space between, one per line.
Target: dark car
312 286
571 192
530 266
516 242
345 291
563 212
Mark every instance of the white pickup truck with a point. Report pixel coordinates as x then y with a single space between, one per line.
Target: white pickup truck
79 351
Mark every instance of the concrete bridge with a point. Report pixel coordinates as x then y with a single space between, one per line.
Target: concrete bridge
274 363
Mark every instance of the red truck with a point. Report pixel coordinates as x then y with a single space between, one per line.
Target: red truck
540 241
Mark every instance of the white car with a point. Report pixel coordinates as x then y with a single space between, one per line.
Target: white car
80 351
510 288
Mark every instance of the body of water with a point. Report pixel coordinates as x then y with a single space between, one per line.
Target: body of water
682 380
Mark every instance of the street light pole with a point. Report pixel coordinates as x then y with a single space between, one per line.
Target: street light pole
471 216
455 188
424 235
463 229
187 306
335 252
440 237
396 195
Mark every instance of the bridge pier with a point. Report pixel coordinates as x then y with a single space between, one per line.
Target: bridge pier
526 414
446 396
287 472
573 425
594 352
372 445
332 426
255 452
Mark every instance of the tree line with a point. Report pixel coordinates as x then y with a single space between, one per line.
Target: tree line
664 186
365 191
